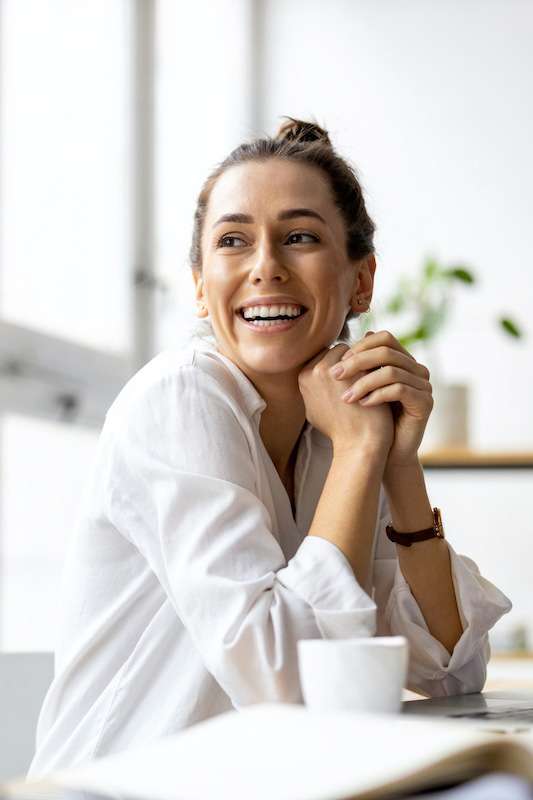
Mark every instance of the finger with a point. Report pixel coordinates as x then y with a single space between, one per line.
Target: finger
385 377
329 356
349 352
379 338
415 402
380 357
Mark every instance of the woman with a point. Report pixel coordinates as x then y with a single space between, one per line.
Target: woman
240 501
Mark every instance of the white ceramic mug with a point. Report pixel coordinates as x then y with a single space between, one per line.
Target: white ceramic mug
359 674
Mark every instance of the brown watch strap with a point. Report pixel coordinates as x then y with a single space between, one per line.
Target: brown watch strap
407 539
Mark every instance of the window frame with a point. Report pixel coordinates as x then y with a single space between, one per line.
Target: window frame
51 378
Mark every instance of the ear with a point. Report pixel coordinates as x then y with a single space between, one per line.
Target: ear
201 304
364 283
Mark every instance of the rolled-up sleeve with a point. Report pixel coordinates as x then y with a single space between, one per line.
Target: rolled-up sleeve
184 493
433 671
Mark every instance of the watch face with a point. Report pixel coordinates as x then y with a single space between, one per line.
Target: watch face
439 523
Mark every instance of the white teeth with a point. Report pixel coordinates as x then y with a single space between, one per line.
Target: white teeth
268 323
272 311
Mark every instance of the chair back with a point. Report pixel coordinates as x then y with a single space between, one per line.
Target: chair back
24 681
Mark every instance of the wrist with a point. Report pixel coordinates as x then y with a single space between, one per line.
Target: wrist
393 470
362 452
407 495
412 520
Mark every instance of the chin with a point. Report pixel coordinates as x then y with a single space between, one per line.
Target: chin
272 362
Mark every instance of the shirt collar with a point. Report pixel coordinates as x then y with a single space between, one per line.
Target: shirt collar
252 400
255 404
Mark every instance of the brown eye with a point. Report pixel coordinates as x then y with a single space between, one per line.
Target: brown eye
224 238
314 238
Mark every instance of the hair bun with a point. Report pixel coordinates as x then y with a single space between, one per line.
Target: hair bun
301 131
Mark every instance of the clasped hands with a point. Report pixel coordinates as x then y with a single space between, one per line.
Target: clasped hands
394 376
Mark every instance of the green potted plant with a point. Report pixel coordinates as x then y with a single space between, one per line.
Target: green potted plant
424 303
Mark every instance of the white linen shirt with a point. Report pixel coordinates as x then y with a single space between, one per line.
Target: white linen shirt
188 582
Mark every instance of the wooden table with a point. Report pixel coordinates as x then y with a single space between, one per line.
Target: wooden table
461 458
510 671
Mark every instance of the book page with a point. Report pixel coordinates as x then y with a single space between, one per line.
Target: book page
275 750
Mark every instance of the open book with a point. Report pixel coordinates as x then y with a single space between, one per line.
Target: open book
272 751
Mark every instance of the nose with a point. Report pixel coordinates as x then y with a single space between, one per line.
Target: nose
267 266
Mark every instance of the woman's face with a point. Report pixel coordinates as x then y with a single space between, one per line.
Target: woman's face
303 257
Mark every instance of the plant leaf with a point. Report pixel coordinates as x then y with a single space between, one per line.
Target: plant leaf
510 327
419 334
431 268
433 319
460 274
395 304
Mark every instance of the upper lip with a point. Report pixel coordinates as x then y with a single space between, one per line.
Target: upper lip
270 300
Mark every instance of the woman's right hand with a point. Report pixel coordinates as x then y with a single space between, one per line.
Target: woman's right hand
348 425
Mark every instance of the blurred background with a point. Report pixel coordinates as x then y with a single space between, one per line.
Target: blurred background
112 114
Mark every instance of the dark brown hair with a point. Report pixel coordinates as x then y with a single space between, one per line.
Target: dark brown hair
306 142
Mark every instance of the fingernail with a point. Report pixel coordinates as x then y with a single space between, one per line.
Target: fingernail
336 370
347 395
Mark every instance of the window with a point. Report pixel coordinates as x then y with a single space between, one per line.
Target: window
112 113
66 268
66 173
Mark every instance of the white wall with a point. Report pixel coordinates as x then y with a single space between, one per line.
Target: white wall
432 102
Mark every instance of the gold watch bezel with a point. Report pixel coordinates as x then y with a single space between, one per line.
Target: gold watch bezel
439 524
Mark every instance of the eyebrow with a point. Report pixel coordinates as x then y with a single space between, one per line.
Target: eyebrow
289 213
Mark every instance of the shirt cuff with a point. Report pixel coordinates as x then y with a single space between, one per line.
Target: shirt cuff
480 604
320 574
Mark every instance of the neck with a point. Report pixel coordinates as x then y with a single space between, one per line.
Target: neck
282 421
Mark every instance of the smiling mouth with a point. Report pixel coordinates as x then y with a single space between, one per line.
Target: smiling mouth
281 322
241 311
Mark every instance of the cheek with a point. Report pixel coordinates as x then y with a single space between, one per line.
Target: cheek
325 285
220 272
325 270
221 283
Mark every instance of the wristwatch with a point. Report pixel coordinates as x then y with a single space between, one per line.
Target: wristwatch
407 539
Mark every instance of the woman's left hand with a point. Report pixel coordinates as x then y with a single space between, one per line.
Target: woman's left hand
401 381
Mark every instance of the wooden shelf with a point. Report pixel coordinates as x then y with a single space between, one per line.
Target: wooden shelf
461 458
512 654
